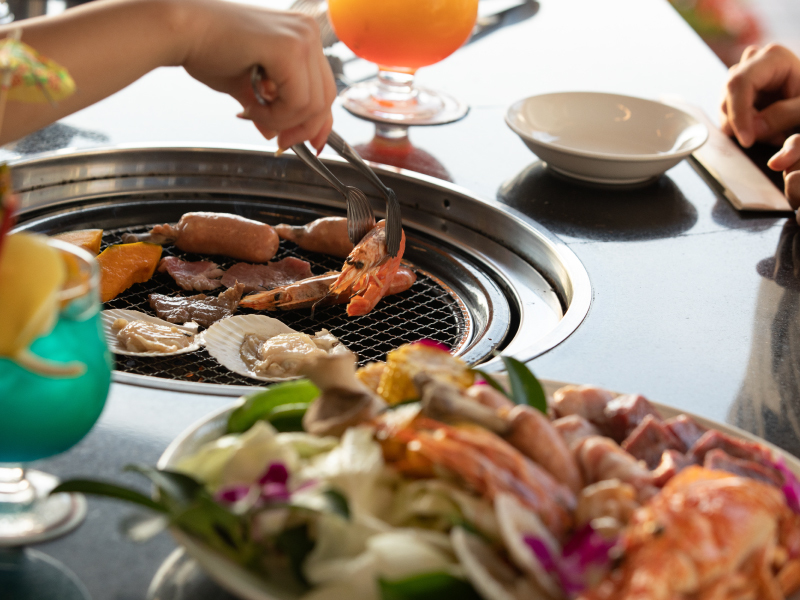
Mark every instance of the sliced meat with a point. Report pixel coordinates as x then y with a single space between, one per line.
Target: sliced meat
736 448
672 463
602 458
199 276
685 429
649 440
624 413
588 401
574 429
203 310
259 278
327 236
722 461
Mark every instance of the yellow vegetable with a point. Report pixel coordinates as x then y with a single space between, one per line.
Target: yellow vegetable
32 274
125 264
88 239
397 380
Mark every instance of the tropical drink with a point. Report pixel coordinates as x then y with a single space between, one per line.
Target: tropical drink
43 416
403 34
55 371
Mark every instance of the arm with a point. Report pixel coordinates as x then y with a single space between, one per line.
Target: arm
108 44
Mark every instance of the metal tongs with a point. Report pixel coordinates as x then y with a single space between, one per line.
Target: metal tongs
394 220
360 218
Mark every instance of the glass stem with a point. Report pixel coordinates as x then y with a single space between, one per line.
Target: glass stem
395 88
16 492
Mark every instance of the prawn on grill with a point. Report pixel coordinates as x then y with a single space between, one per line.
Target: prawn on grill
368 271
314 291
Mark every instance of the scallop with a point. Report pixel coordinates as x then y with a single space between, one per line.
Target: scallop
109 317
493 577
264 348
516 522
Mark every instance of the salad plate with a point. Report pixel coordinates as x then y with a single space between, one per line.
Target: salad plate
249 586
605 138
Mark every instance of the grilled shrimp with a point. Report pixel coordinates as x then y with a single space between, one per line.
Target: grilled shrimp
706 532
368 271
308 292
485 461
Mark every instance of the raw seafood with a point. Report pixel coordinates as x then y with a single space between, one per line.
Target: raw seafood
139 336
368 271
216 233
706 531
327 235
314 292
125 264
203 310
283 355
267 276
199 275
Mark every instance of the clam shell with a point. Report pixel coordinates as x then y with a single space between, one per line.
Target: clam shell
111 315
224 339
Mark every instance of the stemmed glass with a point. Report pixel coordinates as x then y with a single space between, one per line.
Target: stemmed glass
43 415
401 36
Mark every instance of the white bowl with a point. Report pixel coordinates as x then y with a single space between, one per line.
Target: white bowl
605 138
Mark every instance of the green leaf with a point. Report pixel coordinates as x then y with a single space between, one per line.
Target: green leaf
337 503
492 382
428 586
176 489
525 388
288 417
109 490
262 404
296 543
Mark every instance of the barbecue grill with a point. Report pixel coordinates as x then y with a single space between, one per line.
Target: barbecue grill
489 279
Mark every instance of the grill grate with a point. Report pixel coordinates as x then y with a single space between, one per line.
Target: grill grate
427 310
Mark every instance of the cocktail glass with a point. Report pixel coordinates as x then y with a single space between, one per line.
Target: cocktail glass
401 36
41 415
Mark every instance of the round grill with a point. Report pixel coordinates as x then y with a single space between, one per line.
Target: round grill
427 310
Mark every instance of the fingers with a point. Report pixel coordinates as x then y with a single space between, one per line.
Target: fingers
768 69
788 161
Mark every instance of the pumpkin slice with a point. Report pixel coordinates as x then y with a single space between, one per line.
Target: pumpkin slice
88 239
125 264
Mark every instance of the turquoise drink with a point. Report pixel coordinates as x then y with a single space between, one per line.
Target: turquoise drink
41 416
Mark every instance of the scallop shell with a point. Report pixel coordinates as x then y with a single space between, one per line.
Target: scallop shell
224 339
111 315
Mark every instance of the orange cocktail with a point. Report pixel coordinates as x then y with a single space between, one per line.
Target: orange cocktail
404 34
401 36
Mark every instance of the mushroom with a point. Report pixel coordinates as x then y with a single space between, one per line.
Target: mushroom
344 400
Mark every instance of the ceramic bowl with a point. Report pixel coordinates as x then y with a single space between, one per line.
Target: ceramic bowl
605 138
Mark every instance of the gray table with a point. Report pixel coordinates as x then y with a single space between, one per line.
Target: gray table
689 307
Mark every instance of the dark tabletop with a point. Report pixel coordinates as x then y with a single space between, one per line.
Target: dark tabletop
694 304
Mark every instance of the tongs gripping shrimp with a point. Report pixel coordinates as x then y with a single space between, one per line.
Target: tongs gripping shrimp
367 271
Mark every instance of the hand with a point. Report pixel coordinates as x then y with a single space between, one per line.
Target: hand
225 40
788 161
762 96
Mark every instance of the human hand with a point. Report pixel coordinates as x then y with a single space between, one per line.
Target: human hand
225 40
762 96
788 161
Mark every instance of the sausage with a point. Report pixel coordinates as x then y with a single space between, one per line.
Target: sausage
327 235
217 233
533 434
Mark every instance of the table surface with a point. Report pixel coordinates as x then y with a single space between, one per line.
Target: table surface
694 304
